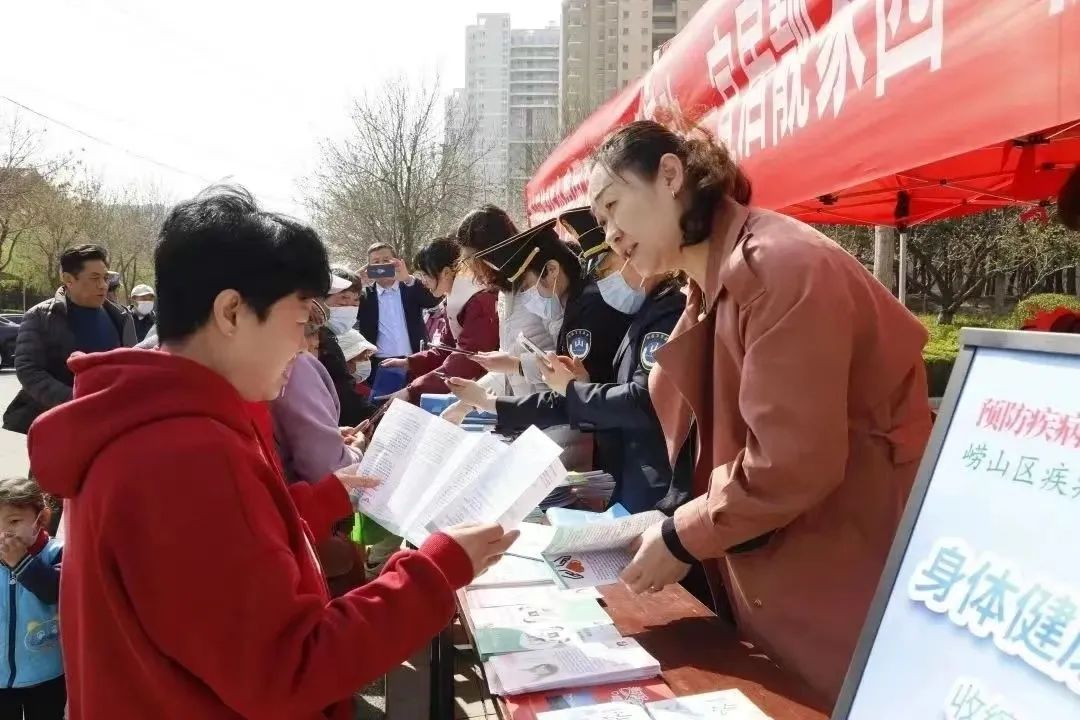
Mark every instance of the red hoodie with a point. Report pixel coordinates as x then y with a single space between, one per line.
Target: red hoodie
190 588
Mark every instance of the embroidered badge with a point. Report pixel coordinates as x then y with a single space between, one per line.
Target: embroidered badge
579 343
652 342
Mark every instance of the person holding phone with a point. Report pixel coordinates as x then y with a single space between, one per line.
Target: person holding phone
391 309
470 312
489 230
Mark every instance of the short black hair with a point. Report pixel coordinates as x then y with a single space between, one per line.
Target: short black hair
437 255
381 246
221 240
74 258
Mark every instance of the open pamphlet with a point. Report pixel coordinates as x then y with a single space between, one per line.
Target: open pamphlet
570 665
433 474
517 628
512 570
595 553
727 704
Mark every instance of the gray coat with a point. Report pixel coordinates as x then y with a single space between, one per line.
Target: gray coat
44 344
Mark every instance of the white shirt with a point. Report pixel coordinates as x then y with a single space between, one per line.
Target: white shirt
393 338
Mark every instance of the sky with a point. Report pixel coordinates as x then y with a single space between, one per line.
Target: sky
182 93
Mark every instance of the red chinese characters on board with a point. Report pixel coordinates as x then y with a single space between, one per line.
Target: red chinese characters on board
1052 425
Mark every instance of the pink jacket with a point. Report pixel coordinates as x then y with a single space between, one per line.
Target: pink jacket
806 379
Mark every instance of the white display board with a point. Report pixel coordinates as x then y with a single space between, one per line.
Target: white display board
978 613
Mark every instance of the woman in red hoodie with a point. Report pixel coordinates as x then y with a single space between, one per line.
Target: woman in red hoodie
191 589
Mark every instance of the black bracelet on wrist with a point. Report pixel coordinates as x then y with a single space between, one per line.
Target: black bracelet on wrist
673 543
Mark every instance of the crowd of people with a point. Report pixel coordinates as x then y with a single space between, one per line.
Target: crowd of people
728 366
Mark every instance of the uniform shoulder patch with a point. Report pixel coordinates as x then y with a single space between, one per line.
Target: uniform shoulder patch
649 345
579 343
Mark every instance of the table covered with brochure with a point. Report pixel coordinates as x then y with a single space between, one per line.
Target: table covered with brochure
560 639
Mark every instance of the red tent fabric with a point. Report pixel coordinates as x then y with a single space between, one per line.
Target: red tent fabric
863 111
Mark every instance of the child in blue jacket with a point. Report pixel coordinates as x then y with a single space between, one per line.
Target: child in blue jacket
31 666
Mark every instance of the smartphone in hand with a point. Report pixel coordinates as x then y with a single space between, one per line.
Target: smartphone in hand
532 347
381 272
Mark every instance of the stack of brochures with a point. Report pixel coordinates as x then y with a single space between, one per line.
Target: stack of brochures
576 664
726 704
539 625
593 486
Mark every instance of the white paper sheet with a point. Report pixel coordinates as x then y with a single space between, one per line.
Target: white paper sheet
725 704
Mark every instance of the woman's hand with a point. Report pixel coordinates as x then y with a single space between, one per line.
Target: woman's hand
578 368
352 481
499 362
558 371
456 412
402 363
653 567
472 394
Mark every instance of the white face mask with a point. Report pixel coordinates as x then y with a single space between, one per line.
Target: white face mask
619 295
362 371
342 319
144 307
548 309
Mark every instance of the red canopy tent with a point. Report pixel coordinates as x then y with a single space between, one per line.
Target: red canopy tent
891 112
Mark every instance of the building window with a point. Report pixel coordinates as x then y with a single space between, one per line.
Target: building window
685 15
645 65
644 31
626 14
644 13
644 48
626 48
626 66
626 31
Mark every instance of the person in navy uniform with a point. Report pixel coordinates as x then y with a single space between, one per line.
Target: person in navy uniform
613 404
581 315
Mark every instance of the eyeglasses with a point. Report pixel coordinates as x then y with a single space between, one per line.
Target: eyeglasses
318 316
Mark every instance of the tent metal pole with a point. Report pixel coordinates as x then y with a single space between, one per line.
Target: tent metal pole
902 284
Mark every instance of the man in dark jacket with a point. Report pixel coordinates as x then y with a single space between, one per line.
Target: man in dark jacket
79 318
391 309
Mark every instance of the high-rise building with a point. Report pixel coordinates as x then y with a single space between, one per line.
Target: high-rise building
608 43
534 104
487 96
510 102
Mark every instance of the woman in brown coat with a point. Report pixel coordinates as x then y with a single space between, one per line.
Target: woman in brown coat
803 380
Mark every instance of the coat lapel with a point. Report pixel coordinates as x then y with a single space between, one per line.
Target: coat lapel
683 388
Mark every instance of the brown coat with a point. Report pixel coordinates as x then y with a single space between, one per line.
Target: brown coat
806 380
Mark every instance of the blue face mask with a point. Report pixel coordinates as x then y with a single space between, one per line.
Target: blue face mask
618 294
548 309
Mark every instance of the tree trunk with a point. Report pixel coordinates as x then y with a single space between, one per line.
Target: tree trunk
1001 286
885 255
1076 283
